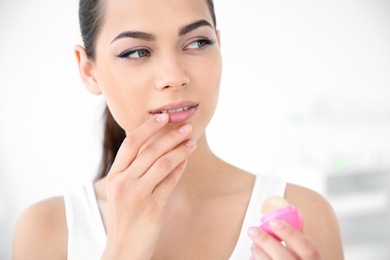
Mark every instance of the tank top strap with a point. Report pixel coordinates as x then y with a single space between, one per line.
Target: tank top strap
86 234
264 187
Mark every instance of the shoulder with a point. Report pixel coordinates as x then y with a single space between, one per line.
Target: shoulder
41 231
320 222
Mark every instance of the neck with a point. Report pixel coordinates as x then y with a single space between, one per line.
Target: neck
202 171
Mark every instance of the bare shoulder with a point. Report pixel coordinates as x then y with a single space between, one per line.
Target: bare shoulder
41 231
320 222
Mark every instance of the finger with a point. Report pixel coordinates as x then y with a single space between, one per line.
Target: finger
296 241
133 142
157 149
165 187
166 164
268 244
258 253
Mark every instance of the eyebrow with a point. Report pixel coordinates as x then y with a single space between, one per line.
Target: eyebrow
151 37
136 35
193 26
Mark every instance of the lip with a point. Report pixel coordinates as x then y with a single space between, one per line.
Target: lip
178 112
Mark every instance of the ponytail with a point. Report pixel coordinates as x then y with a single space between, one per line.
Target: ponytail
113 138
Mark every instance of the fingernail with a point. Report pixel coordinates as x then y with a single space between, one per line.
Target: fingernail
276 224
253 246
190 143
161 117
185 129
254 232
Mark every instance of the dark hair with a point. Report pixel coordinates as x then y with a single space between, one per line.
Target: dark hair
91 16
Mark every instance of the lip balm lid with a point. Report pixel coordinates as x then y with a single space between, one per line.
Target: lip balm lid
279 212
289 214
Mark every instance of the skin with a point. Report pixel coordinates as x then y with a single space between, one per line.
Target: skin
167 195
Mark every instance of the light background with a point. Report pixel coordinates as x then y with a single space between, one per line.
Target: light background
305 95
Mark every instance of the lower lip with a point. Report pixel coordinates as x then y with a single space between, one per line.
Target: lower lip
182 116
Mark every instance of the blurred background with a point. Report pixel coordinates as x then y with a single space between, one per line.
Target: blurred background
305 93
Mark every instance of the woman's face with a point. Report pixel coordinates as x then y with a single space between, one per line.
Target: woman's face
159 55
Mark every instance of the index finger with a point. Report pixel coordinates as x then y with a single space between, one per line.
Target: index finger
134 141
295 240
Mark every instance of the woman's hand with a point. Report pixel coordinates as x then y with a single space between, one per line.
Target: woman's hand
267 247
139 183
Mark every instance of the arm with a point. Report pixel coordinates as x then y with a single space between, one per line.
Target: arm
41 232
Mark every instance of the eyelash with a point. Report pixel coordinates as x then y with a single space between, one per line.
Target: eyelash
206 43
126 54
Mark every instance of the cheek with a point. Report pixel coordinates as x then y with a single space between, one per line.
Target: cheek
211 79
125 98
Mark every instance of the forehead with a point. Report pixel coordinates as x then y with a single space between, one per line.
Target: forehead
154 16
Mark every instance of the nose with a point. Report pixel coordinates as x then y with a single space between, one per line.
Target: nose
171 73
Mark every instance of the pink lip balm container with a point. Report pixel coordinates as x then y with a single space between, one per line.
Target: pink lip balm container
289 214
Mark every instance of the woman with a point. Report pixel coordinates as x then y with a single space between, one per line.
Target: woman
162 193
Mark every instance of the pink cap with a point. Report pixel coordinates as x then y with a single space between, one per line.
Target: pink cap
289 214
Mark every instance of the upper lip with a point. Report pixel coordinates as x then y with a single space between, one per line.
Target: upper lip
174 106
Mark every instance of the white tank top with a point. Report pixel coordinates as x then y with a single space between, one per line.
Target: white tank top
87 236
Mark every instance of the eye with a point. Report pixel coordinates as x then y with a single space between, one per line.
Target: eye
135 54
200 44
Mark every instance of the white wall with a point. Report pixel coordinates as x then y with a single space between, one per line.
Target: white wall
305 92
49 128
